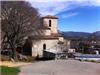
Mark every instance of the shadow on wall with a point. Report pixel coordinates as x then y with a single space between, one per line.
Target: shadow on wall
27 48
48 55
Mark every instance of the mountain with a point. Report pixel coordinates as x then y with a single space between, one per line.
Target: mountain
97 33
71 34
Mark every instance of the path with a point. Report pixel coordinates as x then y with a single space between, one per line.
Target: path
61 67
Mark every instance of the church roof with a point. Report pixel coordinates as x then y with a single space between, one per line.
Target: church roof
50 17
43 37
46 37
44 27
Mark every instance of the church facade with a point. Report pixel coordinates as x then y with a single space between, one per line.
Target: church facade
47 37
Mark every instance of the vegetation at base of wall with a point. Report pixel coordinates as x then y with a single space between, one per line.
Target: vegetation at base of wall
44 59
30 59
92 61
4 70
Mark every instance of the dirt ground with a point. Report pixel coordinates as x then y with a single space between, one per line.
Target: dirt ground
12 64
61 67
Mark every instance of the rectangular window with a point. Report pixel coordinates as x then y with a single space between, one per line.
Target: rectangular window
49 23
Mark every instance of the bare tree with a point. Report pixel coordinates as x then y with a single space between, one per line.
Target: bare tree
18 21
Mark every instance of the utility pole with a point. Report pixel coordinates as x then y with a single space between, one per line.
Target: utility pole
0 27
0 33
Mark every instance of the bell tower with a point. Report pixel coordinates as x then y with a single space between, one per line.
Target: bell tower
51 22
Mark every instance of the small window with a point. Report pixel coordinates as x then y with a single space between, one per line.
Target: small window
44 46
49 23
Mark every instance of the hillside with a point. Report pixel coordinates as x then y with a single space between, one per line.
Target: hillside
72 34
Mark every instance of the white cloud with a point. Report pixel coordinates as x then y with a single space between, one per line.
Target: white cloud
53 7
64 0
69 15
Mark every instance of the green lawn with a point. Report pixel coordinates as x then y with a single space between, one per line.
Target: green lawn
9 70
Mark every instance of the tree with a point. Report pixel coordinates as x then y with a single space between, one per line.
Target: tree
18 21
84 48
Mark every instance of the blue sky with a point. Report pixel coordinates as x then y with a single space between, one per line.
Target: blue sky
74 15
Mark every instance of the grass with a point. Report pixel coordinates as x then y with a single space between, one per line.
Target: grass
4 70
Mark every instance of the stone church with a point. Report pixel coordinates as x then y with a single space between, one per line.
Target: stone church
46 38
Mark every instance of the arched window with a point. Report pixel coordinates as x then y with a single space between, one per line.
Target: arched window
49 23
44 46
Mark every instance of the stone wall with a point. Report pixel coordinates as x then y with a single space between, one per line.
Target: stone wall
41 32
37 47
53 24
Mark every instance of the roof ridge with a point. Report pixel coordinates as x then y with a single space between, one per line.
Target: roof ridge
50 16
